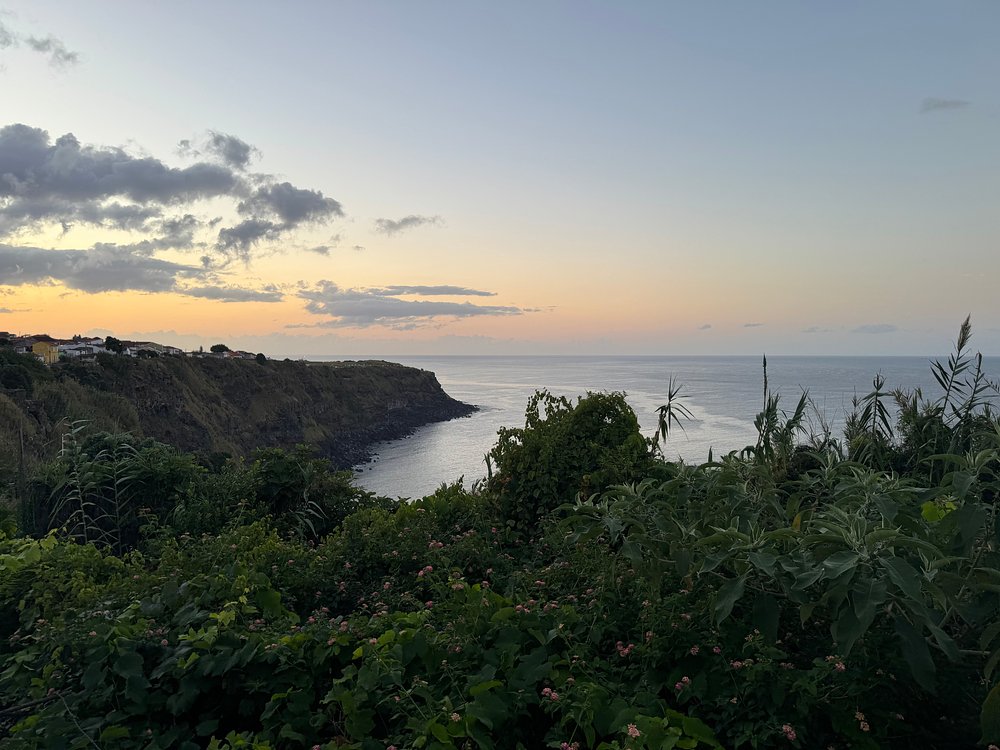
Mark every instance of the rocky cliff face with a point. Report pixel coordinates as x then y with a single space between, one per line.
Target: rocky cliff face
233 406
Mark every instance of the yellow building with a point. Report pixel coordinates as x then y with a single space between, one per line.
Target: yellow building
48 353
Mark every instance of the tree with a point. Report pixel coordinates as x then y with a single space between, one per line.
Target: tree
114 345
261 359
218 348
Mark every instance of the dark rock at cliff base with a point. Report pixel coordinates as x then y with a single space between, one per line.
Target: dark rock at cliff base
231 406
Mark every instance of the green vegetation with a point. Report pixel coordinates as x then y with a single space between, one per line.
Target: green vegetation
588 594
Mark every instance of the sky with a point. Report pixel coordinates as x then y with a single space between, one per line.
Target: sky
503 178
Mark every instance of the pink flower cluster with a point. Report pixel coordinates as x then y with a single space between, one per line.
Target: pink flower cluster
425 570
683 683
624 650
633 731
549 693
789 732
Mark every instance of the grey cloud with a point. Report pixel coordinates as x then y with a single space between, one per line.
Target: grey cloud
704 327
233 294
933 104
64 183
432 291
752 325
101 269
391 227
67 182
360 308
875 328
292 205
7 37
358 248
58 54
55 49
320 249
815 329
233 151
246 234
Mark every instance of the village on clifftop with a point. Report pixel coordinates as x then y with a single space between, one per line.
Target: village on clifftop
51 350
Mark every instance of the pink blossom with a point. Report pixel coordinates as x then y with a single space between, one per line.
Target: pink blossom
840 666
694 650
633 730
164 642
789 732
716 650
429 604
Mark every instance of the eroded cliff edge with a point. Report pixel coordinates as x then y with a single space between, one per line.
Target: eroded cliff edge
208 405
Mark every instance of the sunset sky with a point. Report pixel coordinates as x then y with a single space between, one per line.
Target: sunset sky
517 177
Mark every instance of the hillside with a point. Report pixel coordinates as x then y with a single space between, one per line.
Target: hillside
230 406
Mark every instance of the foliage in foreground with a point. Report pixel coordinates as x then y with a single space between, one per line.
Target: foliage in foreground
779 597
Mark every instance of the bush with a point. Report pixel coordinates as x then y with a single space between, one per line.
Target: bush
563 450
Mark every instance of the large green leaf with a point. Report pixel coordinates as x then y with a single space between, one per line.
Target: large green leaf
989 719
916 653
839 563
903 575
729 593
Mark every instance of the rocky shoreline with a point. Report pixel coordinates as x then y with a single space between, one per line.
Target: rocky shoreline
355 448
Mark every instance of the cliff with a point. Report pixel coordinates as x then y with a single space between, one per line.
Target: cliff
208 405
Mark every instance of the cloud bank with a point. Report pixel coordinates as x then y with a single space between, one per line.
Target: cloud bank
63 182
362 308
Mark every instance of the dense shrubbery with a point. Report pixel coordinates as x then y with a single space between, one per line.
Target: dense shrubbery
589 595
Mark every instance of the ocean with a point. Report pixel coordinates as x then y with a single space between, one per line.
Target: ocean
724 394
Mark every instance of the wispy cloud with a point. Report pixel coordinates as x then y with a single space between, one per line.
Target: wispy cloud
443 290
815 329
395 226
233 294
232 151
57 52
875 328
933 104
752 325
362 308
704 327
55 49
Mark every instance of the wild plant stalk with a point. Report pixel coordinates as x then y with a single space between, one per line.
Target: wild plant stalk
671 413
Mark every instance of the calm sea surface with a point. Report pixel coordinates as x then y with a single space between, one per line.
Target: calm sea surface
723 393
